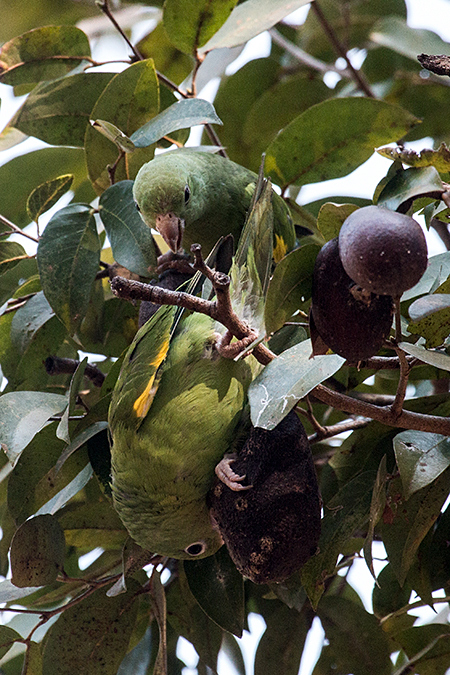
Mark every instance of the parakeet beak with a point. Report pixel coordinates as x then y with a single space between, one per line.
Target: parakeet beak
171 228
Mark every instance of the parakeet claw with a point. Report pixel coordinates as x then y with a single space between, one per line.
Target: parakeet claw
225 473
230 351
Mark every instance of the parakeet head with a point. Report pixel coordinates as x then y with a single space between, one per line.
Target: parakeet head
162 192
169 525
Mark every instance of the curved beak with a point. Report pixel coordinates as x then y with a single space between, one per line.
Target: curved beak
171 229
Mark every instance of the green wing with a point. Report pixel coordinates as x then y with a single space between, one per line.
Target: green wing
141 370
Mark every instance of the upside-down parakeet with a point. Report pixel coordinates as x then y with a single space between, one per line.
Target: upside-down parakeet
165 448
190 197
178 406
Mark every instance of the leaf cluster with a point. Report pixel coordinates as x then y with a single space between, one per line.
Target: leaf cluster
69 204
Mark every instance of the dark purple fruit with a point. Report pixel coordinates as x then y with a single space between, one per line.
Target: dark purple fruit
272 528
352 321
382 250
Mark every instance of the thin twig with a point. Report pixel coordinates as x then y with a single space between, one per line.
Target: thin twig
341 51
400 394
16 229
339 428
304 57
104 7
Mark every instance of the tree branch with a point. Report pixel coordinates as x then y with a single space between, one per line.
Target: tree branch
340 50
16 229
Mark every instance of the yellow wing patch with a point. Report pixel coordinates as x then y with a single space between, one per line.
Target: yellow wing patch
143 402
280 248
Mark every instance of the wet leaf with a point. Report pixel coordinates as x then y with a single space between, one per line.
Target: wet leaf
22 415
332 138
131 240
37 552
421 458
68 259
287 379
219 589
180 115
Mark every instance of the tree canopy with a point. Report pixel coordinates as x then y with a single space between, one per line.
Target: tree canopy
378 426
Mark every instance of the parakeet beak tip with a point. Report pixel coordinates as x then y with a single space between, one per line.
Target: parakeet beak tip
171 228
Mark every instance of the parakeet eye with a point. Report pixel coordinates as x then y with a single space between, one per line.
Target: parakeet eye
137 206
187 194
196 549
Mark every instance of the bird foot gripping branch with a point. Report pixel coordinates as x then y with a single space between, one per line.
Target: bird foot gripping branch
220 309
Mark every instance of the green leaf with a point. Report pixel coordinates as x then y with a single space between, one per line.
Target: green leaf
219 589
65 495
114 134
33 659
28 320
131 240
34 168
42 54
92 636
344 514
410 184
428 648
421 458
62 430
281 646
8 636
128 101
332 138
285 380
47 194
357 643
37 552
331 218
290 286
180 115
190 23
431 356
439 158
86 527
388 595
189 620
68 259
22 415
407 521
11 253
376 511
429 304
79 441
168 60
249 19
436 273
56 113
34 482
394 33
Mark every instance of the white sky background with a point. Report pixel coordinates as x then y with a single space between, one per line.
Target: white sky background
430 14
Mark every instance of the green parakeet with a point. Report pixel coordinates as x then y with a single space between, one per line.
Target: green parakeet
177 408
167 442
196 197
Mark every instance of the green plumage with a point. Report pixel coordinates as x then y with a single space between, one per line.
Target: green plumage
163 457
218 196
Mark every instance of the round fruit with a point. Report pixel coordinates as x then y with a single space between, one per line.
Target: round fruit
382 250
352 321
